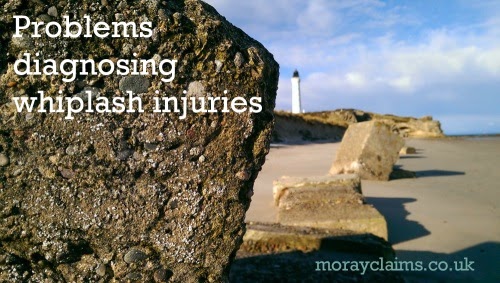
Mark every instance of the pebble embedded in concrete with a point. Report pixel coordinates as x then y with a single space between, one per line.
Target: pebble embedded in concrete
52 11
238 60
124 154
243 175
134 256
162 275
218 65
54 159
201 159
71 150
195 151
136 84
196 89
101 270
150 146
134 276
4 160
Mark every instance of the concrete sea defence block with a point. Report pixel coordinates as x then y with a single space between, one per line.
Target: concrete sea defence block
261 238
369 149
352 217
145 197
298 190
327 202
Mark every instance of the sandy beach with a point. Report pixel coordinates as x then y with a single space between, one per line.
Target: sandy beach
449 212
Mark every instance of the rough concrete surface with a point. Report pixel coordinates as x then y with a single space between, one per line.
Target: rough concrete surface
368 149
317 188
353 217
135 196
267 238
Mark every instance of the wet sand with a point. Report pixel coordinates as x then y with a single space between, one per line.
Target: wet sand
448 213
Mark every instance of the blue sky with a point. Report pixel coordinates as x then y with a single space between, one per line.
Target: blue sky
411 58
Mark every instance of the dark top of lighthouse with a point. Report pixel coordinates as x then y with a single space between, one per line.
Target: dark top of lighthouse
295 73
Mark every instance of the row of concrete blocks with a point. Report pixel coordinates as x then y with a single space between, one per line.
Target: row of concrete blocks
326 213
368 151
333 205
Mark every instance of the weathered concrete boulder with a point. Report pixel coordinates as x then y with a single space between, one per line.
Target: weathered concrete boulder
332 202
358 218
369 149
293 191
273 238
142 197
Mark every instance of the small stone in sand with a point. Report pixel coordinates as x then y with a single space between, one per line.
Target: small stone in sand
407 150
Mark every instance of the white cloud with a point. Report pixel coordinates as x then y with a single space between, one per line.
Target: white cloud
403 84
355 79
371 55
408 68
318 19
490 61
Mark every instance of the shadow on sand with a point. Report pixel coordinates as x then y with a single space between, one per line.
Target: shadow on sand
399 228
437 173
301 267
411 157
483 258
297 266
400 173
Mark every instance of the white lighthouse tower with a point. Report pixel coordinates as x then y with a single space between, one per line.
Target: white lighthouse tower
296 107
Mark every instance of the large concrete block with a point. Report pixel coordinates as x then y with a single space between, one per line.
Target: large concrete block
369 149
334 189
327 202
144 196
353 217
262 238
